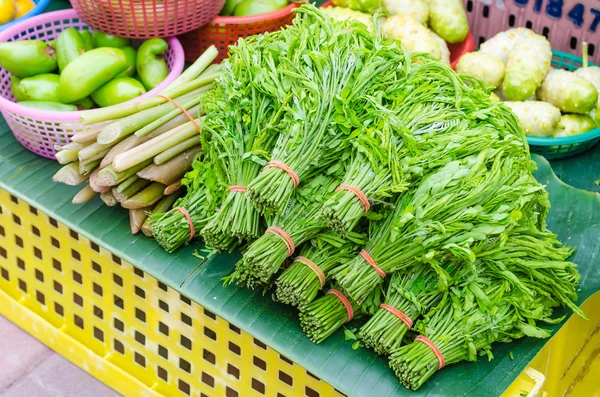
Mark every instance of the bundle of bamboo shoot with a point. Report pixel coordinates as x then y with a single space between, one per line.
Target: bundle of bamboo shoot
137 159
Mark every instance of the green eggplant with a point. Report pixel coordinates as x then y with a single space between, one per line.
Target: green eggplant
102 39
118 90
131 55
84 103
88 43
88 72
43 87
69 45
53 106
27 58
151 64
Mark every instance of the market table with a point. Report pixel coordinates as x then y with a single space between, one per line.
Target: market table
150 323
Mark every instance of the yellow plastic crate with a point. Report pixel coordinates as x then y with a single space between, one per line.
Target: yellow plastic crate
124 327
143 338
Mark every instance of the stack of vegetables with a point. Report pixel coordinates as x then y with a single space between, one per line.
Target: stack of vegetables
549 102
422 25
362 181
139 157
80 70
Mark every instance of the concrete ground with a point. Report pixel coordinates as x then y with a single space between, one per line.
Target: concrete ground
29 369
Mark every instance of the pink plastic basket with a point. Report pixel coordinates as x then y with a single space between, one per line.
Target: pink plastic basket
225 31
142 19
566 23
39 130
457 50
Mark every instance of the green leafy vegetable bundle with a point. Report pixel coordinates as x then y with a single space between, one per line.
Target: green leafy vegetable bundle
300 283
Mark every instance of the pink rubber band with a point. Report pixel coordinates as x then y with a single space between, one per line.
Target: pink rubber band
358 193
189 116
314 267
398 313
283 236
345 302
237 188
371 262
288 170
188 218
434 349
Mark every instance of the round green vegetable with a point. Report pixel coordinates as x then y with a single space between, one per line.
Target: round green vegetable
568 92
53 106
574 124
527 66
118 90
151 64
101 39
90 71
537 118
131 55
69 45
416 9
247 8
88 42
485 66
43 87
502 44
358 5
449 20
27 58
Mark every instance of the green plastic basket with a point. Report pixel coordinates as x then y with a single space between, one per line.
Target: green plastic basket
557 148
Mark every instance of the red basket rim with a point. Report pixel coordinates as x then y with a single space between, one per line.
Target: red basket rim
255 18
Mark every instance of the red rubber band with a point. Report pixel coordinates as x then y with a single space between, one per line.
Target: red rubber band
433 348
398 313
188 218
189 116
288 170
371 262
283 236
237 188
312 266
358 193
344 301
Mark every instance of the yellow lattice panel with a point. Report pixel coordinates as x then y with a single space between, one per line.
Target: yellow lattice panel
125 327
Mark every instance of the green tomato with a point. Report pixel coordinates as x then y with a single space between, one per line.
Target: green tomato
27 58
53 106
69 45
131 55
88 72
255 7
229 6
102 39
118 90
151 65
43 87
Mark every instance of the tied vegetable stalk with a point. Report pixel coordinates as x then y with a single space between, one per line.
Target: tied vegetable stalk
325 315
264 257
336 86
406 131
463 202
298 285
240 130
171 229
410 294
477 314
